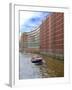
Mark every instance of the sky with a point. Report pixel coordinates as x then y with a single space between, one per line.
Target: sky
30 20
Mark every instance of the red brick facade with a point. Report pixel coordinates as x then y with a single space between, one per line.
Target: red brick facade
52 34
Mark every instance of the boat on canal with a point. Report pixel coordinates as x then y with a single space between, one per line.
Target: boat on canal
37 60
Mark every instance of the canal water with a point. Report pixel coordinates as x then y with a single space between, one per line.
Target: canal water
29 70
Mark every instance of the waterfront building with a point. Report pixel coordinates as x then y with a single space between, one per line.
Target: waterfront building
52 35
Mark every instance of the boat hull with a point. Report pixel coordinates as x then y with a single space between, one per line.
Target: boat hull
37 61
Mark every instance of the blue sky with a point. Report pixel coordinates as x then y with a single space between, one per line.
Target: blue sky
31 20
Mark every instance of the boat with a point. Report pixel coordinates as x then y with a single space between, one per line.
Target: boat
37 60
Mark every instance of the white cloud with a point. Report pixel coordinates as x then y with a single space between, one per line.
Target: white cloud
25 15
30 19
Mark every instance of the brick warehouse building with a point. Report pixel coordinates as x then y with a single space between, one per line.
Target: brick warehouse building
52 35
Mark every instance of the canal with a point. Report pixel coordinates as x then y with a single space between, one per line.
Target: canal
29 70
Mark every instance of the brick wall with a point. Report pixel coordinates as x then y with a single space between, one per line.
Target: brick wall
52 34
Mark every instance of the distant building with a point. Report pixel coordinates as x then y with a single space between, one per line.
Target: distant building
34 40
23 41
30 41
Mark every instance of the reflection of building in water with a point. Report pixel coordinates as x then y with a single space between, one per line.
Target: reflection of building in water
52 35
